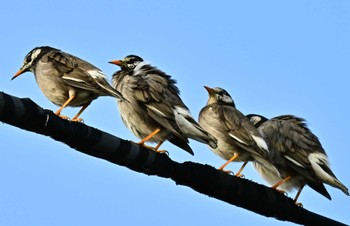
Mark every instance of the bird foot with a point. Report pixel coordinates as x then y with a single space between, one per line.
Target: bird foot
153 149
226 171
239 175
77 120
162 152
299 204
63 117
281 191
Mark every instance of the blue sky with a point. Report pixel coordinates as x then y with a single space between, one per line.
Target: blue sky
273 57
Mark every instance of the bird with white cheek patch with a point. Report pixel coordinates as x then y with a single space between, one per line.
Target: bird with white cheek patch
296 153
238 139
66 80
154 110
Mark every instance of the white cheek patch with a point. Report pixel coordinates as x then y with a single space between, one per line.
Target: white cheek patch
36 53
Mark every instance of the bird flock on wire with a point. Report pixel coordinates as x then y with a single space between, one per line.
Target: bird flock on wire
283 150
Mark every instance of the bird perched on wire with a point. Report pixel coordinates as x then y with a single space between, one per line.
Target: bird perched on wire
296 153
238 139
154 110
66 80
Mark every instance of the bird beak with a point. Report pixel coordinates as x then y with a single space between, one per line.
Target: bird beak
116 62
210 90
18 73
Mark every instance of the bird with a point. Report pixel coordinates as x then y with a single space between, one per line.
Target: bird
153 109
66 80
238 139
296 153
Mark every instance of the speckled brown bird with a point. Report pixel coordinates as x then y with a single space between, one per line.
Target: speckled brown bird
296 153
153 109
66 80
238 139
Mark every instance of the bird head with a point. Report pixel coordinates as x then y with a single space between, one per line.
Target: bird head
31 59
256 120
128 63
219 95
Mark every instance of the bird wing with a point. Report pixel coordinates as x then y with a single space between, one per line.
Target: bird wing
289 136
81 74
239 128
156 91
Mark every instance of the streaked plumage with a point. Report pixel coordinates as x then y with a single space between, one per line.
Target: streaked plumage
295 152
153 102
235 134
66 80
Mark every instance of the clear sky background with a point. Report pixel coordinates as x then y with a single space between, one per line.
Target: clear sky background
273 57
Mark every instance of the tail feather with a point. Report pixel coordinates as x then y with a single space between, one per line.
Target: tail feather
181 144
338 184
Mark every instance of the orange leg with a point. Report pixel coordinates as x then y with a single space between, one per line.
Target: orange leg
144 140
158 145
238 174
279 183
229 161
76 117
297 196
58 112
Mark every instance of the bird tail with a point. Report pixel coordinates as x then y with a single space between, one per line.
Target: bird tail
338 184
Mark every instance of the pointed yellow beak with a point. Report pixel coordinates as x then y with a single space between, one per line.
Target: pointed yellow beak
18 73
210 90
116 62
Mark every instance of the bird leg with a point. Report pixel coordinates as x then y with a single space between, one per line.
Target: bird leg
76 117
279 183
297 196
144 140
238 174
58 112
229 161
160 151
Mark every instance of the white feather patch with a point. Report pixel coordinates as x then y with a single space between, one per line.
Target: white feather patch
293 161
73 79
187 127
236 138
316 159
260 142
156 110
182 111
96 74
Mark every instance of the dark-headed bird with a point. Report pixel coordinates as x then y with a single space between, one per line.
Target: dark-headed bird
238 139
154 110
296 153
66 80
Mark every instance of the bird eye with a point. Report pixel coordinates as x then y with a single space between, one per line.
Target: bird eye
131 61
29 58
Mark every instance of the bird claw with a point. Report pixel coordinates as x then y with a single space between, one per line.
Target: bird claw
162 152
240 175
299 204
153 149
63 117
281 191
226 171
78 120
